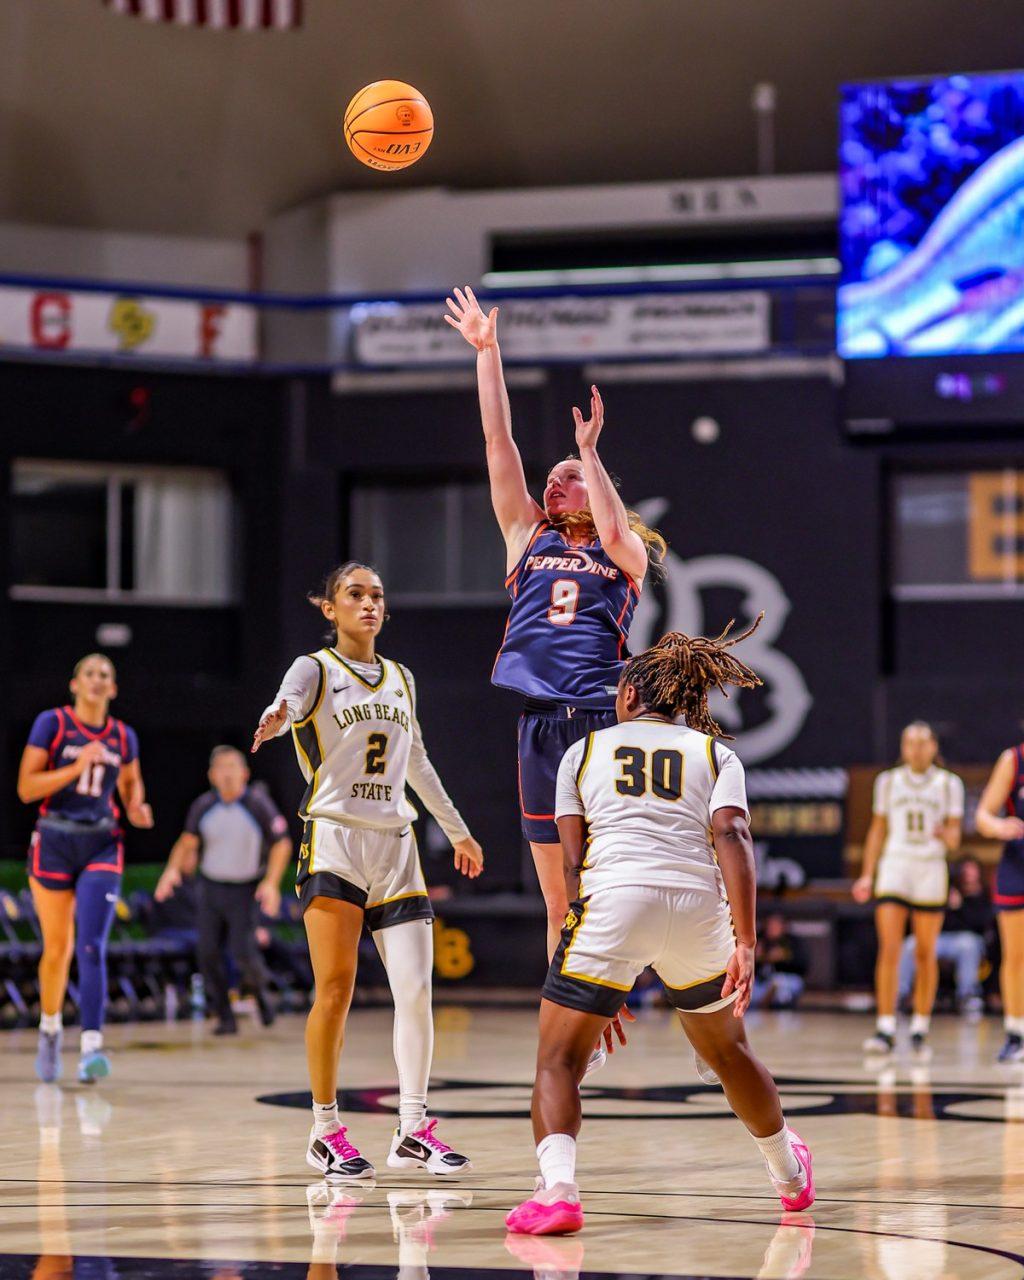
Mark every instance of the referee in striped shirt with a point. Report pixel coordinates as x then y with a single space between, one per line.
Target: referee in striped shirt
238 838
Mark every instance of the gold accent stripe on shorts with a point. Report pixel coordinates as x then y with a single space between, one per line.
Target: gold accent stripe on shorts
712 977
416 893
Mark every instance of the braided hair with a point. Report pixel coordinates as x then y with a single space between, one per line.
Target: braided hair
675 676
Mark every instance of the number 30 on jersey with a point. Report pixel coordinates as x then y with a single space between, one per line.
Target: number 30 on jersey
660 771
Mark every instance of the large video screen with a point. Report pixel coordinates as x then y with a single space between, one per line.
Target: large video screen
932 217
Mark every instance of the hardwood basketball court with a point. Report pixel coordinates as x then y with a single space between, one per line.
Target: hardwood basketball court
189 1160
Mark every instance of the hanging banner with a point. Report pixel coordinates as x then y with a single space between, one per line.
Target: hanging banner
52 321
570 328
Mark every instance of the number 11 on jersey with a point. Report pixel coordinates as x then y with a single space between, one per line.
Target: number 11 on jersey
90 781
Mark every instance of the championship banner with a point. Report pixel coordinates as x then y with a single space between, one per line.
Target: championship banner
58 322
570 328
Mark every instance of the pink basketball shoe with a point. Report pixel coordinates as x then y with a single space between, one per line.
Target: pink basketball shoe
797 1193
551 1211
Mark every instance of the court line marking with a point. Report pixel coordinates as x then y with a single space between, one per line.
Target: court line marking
787 1084
471 1187
463 1186
661 1217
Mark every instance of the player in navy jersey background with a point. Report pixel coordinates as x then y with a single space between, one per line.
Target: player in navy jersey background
1000 816
76 758
575 570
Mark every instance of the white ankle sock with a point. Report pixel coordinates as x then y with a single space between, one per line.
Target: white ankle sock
886 1024
777 1150
412 1112
1012 1026
556 1155
92 1042
919 1024
51 1023
325 1117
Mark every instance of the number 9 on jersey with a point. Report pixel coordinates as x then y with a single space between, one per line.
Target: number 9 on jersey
565 597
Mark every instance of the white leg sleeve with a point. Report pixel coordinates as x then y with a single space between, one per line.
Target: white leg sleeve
407 951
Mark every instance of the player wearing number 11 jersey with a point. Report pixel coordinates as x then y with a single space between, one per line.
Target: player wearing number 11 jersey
917 815
76 759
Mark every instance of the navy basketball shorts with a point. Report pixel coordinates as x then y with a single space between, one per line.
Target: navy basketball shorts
59 855
546 732
1009 894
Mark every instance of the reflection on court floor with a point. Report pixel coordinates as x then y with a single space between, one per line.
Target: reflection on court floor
189 1161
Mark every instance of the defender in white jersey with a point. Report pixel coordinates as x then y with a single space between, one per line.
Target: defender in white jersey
917 816
659 869
353 719
646 788
358 742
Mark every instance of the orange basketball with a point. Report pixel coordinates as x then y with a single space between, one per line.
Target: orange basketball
388 125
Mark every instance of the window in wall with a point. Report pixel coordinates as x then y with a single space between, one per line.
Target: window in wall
87 531
433 544
958 535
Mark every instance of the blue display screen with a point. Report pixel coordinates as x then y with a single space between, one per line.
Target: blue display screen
932 217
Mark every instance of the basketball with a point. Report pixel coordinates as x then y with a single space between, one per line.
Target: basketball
388 125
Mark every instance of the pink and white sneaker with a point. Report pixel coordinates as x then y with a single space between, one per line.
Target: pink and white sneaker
423 1149
336 1158
551 1211
797 1193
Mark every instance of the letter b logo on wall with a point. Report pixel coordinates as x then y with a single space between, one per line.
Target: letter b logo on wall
786 694
453 954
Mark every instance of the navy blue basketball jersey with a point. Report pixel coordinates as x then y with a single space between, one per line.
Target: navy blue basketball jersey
90 798
1015 800
566 635
1008 894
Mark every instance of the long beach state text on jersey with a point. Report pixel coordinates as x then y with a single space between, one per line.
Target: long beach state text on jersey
566 635
353 745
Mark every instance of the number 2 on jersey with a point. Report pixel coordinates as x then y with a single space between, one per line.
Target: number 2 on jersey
376 750
565 599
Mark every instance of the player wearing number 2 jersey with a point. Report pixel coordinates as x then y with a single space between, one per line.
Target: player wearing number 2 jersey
353 718
575 570
77 757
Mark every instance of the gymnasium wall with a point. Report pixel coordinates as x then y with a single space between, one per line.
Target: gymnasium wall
782 511
83 253
431 238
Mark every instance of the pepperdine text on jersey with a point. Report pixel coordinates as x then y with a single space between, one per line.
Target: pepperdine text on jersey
576 562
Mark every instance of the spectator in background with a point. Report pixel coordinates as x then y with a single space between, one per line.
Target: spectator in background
780 962
239 839
175 916
966 932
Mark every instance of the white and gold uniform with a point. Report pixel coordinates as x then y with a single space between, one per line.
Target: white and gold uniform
358 743
912 869
651 892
